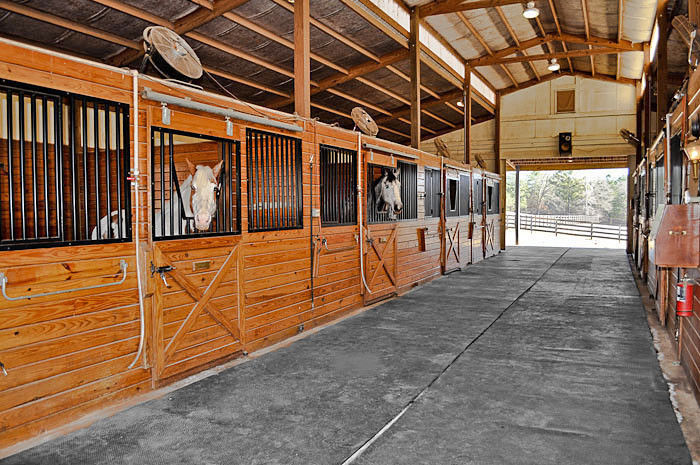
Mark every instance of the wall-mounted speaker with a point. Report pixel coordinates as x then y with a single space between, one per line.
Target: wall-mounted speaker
564 143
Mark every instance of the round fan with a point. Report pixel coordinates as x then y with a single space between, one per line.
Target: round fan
629 137
170 54
364 121
688 33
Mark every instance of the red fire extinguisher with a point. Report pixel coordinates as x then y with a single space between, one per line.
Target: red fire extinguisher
684 297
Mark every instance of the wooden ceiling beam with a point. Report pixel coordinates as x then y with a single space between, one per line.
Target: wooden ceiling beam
487 61
556 23
483 43
515 39
425 103
280 40
183 25
68 24
441 7
353 72
587 27
136 12
527 44
549 77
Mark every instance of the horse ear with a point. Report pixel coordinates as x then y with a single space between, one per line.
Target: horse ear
192 169
397 172
217 169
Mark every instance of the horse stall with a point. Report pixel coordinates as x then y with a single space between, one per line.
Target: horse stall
150 230
456 237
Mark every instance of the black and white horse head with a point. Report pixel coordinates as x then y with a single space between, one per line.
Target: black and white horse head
387 193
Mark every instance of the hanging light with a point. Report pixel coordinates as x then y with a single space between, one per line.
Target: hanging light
692 149
531 12
460 104
553 65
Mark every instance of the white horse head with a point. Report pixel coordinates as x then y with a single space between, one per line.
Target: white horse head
205 186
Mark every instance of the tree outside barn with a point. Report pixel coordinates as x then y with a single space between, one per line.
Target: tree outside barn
599 194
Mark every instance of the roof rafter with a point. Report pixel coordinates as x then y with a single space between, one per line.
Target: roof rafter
513 36
441 7
546 56
556 23
587 27
483 43
68 24
549 77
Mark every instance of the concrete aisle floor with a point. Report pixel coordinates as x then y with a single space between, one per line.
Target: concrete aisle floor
566 375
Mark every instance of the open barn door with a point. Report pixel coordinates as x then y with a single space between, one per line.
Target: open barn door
194 270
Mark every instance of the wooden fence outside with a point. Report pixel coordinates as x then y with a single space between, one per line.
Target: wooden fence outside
559 225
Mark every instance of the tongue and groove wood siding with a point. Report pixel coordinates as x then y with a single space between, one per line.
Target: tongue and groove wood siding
68 355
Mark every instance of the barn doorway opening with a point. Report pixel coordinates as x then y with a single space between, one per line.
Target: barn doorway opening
567 208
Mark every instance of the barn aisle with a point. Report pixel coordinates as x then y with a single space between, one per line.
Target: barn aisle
536 356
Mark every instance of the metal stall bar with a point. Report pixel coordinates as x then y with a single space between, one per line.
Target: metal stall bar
10 163
35 199
45 156
96 143
108 170
21 122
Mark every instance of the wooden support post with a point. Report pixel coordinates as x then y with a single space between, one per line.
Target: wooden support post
662 69
414 53
647 97
640 147
501 167
517 204
631 165
467 100
302 62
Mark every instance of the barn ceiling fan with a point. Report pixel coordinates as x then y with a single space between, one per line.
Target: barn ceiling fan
170 55
364 122
629 137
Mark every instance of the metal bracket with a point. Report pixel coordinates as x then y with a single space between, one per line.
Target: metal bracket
161 270
4 282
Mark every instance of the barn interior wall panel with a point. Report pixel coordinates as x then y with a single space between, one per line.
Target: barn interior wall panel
222 295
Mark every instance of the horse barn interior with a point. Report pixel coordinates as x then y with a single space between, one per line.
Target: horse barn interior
274 231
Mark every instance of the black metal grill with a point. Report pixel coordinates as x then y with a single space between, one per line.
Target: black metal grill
432 193
275 195
408 176
338 186
465 190
494 198
64 160
170 208
478 195
453 200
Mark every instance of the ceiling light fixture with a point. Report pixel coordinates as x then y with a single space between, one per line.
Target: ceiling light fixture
553 65
531 12
460 104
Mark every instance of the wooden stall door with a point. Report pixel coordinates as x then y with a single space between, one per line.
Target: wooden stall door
489 236
452 246
196 315
380 257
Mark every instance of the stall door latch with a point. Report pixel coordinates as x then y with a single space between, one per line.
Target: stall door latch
161 270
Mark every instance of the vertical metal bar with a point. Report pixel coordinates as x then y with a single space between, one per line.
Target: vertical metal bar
249 176
21 122
292 184
58 166
73 169
174 203
266 182
285 157
86 204
278 187
35 205
45 153
96 135
273 185
162 183
300 183
108 173
237 145
118 161
10 163
259 215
